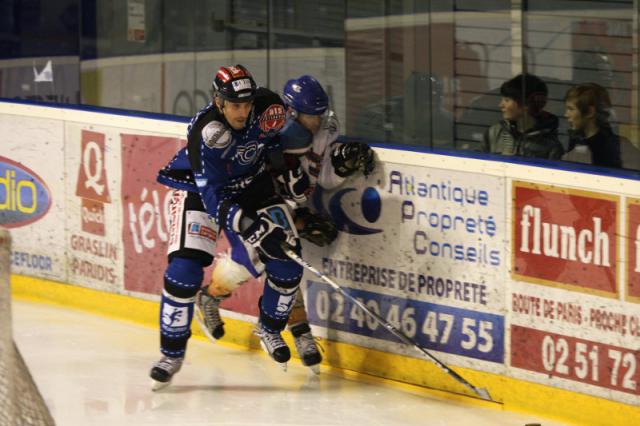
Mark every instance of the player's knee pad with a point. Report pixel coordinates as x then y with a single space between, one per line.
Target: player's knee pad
183 277
284 274
228 275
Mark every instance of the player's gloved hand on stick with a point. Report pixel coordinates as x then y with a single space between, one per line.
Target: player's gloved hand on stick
268 237
352 157
317 229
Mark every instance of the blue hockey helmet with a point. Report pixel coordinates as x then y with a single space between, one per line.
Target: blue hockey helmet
305 95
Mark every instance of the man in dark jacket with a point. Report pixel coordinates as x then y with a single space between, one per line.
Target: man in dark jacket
526 129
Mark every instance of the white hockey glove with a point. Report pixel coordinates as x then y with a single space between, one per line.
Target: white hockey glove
296 184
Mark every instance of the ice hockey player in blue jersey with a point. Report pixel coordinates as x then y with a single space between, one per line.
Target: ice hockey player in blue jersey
221 175
313 157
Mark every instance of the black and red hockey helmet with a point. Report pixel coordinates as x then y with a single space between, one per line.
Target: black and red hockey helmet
234 84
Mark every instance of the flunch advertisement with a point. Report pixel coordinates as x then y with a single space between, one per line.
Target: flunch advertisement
632 243
565 238
571 325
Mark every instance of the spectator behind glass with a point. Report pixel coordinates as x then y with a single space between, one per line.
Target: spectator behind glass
587 110
526 129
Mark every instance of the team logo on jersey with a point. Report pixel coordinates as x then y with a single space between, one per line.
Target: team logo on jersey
272 119
216 135
246 154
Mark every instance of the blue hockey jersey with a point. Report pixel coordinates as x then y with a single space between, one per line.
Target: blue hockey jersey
220 162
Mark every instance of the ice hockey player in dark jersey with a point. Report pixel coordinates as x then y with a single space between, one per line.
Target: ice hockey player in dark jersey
312 157
222 175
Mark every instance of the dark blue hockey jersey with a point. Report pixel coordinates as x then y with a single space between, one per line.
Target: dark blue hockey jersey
220 162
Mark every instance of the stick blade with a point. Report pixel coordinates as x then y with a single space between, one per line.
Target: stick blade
484 394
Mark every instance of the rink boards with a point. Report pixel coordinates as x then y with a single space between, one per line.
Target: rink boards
524 277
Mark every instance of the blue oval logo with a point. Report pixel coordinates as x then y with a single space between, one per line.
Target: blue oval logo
370 209
371 204
24 197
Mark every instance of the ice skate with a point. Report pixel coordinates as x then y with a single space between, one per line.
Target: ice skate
163 371
274 345
306 346
208 314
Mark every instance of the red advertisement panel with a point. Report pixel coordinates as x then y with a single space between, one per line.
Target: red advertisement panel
92 176
144 201
92 182
93 216
633 250
146 227
584 361
565 238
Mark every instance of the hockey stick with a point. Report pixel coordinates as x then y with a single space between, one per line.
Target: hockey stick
481 392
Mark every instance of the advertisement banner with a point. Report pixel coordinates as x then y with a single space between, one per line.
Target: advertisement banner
145 210
633 250
32 202
570 326
424 248
579 360
531 280
92 158
565 238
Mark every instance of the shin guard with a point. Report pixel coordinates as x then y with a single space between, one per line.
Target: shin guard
182 280
280 287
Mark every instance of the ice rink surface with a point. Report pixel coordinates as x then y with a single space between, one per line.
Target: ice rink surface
93 370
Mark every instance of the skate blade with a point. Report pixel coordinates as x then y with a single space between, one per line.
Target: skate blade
200 320
315 368
156 385
283 365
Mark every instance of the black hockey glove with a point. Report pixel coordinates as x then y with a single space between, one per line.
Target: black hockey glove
352 157
317 229
296 184
267 237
